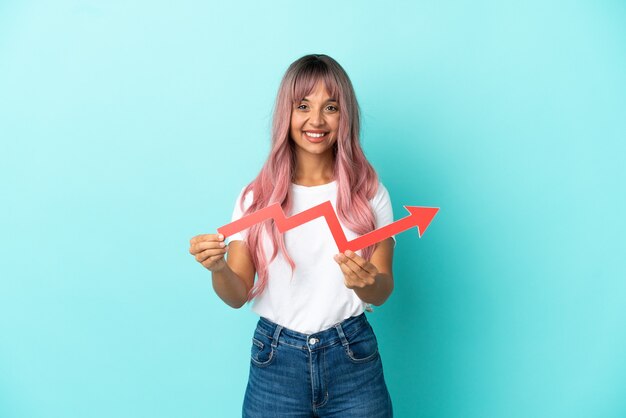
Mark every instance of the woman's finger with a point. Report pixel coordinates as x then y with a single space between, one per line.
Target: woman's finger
202 256
361 262
212 261
354 275
354 266
358 271
206 245
209 241
349 266
206 237
348 272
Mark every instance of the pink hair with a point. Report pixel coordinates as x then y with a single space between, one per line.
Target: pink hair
357 181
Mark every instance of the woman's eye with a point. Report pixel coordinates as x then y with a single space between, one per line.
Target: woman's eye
329 108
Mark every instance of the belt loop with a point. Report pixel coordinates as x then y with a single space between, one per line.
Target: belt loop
342 336
276 335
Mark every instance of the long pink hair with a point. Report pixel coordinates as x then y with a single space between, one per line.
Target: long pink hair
357 181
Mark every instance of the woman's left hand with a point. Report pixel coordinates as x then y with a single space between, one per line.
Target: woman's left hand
357 271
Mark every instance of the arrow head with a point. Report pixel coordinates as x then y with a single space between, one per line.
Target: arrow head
421 217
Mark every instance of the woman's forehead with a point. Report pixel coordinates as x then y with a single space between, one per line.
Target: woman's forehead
305 88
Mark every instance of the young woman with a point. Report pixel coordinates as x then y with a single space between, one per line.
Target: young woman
314 354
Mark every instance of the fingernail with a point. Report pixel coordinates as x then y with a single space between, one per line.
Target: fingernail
220 236
222 244
349 253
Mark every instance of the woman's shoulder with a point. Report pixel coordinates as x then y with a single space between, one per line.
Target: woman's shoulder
242 203
244 197
381 193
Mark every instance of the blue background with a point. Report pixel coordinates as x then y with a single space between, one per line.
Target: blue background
127 127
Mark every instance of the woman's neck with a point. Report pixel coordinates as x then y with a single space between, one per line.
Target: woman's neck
311 171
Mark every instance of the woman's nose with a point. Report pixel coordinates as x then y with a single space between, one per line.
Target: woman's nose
317 118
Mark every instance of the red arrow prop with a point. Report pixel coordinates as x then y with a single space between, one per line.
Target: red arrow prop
419 217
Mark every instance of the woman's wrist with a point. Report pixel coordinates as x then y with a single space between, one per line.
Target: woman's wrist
376 293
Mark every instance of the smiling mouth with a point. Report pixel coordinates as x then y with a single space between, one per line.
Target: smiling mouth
316 136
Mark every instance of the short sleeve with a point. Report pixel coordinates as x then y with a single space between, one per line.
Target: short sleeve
383 211
238 212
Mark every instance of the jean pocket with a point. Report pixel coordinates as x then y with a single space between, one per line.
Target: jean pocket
362 346
262 353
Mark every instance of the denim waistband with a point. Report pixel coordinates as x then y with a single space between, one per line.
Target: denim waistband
338 333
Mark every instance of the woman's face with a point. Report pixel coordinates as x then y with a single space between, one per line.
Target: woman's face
315 122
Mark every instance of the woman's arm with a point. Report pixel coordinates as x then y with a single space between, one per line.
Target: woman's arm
372 280
234 279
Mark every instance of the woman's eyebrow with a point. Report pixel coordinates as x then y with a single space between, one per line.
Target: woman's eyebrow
329 100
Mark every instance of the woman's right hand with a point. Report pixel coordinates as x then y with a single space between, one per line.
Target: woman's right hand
209 250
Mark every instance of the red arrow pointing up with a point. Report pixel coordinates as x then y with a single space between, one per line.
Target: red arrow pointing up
420 217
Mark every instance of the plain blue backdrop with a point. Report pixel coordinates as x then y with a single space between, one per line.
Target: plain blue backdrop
127 127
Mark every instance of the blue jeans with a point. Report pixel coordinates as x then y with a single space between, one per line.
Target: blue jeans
332 373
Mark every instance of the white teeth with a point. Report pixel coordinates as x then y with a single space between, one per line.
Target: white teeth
311 134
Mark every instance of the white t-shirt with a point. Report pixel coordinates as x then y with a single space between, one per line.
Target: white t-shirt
316 298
